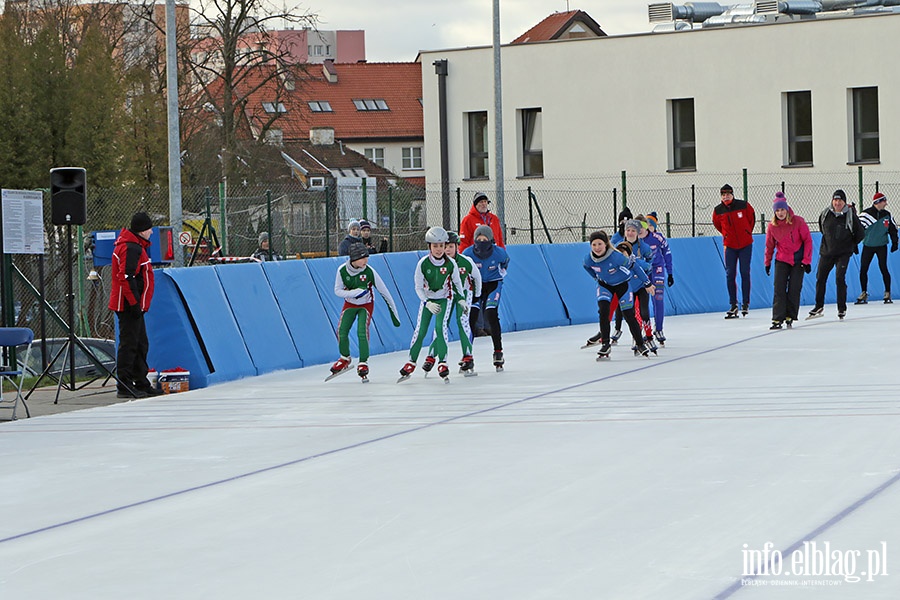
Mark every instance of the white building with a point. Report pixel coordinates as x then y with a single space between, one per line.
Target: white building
790 100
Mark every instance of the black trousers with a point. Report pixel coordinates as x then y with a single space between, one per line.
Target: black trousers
628 314
788 284
826 263
131 358
491 314
865 260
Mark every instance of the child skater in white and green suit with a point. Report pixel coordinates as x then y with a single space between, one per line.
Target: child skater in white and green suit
437 285
353 282
470 275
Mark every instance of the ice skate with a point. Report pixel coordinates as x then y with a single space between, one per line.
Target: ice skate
816 313
603 352
362 369
467 366
745 310
864 298
660 337
789 322
841 315
641 350
407 371
775 325
615 337
428 365
498 361
887 298
341 366
650 344
733 312
444 372
593 340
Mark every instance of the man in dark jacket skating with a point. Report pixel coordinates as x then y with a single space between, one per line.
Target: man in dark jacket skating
841 234
132 291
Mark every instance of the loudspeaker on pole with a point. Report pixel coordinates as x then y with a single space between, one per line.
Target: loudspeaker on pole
68 196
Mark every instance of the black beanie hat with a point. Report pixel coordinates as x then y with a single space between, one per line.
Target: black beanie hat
625 215
358 251
599 235
141 222
478 197
726 188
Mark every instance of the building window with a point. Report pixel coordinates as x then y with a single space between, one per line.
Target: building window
478 145
683 141
320 106
412 158
532 143
274 107
798 107
865 124
376 155
370 104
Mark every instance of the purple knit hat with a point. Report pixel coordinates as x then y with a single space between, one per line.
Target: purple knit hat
780 202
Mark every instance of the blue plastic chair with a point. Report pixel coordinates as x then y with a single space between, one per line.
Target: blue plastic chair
10 337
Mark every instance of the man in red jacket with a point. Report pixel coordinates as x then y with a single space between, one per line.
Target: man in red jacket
132 290
479 214
735 219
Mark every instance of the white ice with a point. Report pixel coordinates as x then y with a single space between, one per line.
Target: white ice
561 478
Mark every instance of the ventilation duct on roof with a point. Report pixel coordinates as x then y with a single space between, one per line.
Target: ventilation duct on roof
695 12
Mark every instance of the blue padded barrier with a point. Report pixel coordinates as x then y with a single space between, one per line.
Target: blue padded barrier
576 288
219 332
299 302
699 267
259 318
172 340
531 292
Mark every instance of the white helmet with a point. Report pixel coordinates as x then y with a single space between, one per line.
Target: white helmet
436 235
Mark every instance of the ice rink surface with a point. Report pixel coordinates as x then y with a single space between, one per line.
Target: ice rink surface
561 478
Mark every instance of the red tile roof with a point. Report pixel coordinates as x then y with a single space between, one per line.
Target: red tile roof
398 84
557 24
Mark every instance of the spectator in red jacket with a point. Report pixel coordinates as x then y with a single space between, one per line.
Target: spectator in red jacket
478 215
132 291
788 239
735 219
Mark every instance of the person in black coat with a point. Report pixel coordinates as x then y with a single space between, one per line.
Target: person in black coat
841 234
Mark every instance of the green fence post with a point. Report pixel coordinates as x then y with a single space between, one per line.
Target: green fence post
584 228
269 220
860 184
615 208
83 325
668 224
746 192
391 219
458 213
624 192
365 203
223 221
327 221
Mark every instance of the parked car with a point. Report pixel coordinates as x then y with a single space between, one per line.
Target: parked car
104 350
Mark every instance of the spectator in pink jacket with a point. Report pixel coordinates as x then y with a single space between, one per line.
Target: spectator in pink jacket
787 237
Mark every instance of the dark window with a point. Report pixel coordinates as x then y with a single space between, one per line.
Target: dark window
865 124
370 104
532 142
799 128
478 150
684 143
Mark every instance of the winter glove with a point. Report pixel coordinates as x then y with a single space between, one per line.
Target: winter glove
768 269
395 320
671 280
463 305
807 268
433 307
893 247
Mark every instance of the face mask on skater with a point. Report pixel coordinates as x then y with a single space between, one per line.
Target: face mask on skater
483 247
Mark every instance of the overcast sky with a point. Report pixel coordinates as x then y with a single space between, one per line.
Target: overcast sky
397 29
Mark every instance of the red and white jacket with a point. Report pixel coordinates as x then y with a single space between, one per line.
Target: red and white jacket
132 273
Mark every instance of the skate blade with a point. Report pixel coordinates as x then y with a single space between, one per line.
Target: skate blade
602 357
404 378
499 368
364 379
470 374
333 375
732 316
589 346
811 317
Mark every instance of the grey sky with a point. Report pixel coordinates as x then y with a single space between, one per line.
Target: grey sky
397 29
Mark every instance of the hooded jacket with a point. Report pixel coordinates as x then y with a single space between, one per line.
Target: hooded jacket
132 273
791 242
471 222
841 232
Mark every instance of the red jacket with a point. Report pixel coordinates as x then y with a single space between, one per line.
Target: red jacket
472 221
735 222
132 273
789 242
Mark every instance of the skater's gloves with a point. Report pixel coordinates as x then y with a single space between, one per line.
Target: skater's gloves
807 268
671 280
463 305
768 269
433 307
395 320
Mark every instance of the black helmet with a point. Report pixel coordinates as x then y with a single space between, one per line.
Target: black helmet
452 237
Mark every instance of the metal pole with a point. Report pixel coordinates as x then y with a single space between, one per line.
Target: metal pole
530 215
365 203
175 211
498 121
391 219
615 209
223 219
624 192
440 69
327 221
746 193
668 224
458 208
83 327
269 220
693 211
860 171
